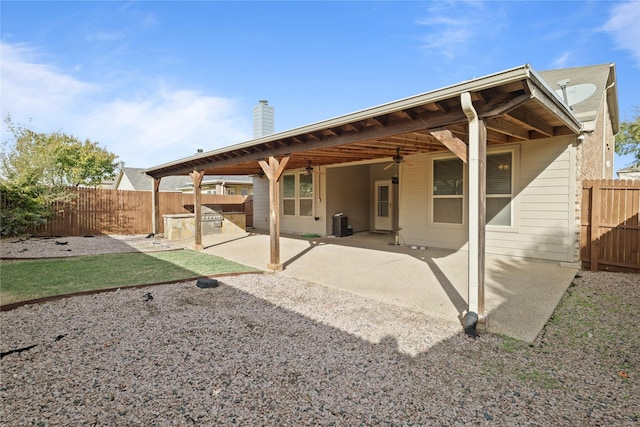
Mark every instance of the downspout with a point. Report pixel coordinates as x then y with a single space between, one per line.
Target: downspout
476 159
606 164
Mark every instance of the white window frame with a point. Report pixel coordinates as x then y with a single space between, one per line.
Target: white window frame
463 196
285 198
514 156
297 197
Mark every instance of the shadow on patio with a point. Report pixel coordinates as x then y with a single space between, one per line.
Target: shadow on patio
520 294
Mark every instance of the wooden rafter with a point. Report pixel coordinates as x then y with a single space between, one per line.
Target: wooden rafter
514 111
453 143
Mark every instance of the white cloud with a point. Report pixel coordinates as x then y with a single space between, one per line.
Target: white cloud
31 89
453 26
160 125
562 60
106 37
623 27
166 125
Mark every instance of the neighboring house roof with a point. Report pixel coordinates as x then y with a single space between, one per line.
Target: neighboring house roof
227 179
135 179
630 172
517 103
591 81
221 180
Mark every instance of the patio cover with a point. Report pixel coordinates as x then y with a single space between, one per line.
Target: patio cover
517 105
505 107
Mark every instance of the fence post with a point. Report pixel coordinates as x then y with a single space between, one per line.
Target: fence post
594 224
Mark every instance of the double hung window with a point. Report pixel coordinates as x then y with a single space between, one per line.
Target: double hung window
499 188
448 191
298 194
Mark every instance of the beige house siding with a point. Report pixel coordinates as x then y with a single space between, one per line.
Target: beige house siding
542 226
377 172
288 223
417 227
294 224
125 184
348 192
261 204
544 189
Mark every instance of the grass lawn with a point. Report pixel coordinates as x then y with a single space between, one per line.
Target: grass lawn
30 279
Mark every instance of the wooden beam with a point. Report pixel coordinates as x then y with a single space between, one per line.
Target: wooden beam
452 142
196 178
156 206
376 121
503 126
504 106
273 171
531 121
423 122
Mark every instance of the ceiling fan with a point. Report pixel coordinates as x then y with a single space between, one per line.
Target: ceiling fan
309 169
397 159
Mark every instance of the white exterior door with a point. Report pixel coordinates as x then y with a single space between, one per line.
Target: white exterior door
384 208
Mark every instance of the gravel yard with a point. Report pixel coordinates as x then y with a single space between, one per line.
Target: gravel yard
47 247
272 350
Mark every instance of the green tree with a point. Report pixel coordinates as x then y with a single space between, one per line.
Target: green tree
628 139
38 169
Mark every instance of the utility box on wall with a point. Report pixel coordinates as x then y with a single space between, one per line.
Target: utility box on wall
340 226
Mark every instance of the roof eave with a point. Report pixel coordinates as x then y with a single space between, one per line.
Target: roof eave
554 103
539 89
481 83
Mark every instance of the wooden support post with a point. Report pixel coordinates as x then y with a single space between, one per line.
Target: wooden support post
155 209
273 170
196 178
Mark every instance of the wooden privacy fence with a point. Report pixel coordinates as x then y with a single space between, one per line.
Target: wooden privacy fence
103 211
610 234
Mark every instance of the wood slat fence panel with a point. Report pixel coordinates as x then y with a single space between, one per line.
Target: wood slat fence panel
103 211
610 231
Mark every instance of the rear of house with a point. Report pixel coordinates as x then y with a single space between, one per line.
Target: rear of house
533 187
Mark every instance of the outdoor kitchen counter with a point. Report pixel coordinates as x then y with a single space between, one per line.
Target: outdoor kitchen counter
182 226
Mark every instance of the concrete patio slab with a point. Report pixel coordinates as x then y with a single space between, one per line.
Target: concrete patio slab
520 294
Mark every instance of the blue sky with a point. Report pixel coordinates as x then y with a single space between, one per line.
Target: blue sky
155 81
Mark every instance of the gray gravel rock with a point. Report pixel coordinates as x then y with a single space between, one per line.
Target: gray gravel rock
270 350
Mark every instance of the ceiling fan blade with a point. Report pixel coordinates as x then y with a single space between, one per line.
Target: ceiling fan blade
388 166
